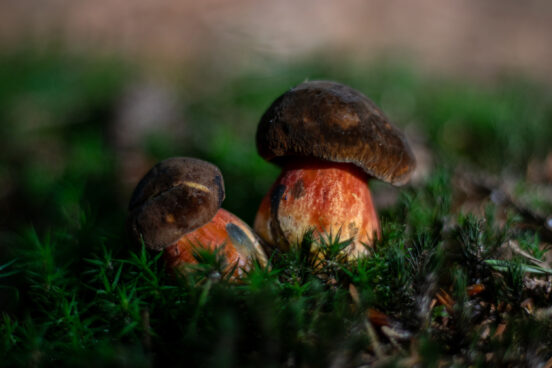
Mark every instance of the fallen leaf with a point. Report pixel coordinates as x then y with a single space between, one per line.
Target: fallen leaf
500 330
377 318
475 289
445 299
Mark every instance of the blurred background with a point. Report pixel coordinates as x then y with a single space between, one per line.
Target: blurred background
92 94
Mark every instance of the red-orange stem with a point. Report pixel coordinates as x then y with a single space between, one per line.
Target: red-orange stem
329 197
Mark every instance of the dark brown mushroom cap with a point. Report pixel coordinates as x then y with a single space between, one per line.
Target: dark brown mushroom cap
176 196
334 122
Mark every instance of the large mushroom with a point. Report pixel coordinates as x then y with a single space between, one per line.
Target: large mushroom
330 140
176 207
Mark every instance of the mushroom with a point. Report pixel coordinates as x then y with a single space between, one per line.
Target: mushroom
176 207
330 140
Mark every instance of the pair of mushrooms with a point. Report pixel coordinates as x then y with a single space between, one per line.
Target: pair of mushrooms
329 140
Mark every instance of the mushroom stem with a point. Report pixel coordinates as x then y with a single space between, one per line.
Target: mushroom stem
239 245
330 197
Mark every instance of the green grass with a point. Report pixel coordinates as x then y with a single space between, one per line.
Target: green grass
74 292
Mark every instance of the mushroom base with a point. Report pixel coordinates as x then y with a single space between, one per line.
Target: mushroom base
331 198
225 233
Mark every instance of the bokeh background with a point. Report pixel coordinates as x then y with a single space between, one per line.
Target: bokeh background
92 94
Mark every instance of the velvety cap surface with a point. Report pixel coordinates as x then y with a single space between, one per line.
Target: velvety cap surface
334 122
176 196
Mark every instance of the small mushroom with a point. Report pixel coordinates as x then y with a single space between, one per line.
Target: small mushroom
177 206
329 140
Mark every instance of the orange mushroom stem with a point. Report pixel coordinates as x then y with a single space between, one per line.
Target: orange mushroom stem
330 197
237 243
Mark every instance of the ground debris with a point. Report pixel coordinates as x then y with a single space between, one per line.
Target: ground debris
473 190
